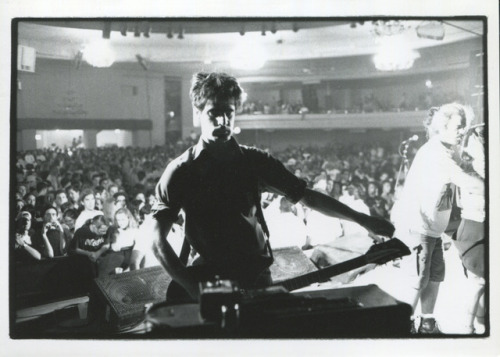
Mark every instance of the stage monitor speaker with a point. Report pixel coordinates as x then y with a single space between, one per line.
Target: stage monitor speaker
290 262
120 300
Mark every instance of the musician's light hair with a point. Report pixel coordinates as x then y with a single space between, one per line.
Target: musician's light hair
438 118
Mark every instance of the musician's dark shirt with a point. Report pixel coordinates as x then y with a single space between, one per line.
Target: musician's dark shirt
220 200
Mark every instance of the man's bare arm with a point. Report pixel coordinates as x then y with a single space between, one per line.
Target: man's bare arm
169 259
333 208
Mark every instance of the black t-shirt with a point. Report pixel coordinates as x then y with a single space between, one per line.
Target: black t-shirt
87 240
221 201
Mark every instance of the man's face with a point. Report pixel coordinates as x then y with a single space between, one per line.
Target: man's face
120 201
50 216
70 222
453 132
31 200
104 183
74 195
61 198
217 120
22 190
89 202
31 180
96 180
101 228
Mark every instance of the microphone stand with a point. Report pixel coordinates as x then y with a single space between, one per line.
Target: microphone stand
405 164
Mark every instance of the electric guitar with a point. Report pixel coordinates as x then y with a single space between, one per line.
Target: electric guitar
379 253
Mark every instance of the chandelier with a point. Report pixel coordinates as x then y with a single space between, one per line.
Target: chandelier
394 54
389 27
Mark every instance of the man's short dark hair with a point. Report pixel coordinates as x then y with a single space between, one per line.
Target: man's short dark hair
72 213
215 85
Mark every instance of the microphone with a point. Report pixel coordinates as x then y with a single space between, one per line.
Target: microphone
474 127
413 138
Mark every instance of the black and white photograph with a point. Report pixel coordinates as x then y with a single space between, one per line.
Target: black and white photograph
251 181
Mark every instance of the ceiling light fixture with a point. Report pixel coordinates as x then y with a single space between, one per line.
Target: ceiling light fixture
123 30
433 30
395 54
147 30
137 31
99 54
169 33
180 36
273 28
106 32
389 27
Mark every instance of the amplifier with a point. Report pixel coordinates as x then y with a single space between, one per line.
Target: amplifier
352 312
120 300
290 262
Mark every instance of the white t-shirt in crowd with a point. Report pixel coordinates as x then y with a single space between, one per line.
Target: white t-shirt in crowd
286 230
352 228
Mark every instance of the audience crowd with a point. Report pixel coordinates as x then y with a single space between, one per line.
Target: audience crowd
367 103
93 202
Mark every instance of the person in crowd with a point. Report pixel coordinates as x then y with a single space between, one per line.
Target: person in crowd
87 199
60 200
30 199
387 193
69 219
286 227
217 183
96 178
123 235
109 201
73 196
470 238
423 210
353 197
52 237
91 240
24 250
321 228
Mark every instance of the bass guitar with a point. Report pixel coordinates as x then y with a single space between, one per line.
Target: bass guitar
379 253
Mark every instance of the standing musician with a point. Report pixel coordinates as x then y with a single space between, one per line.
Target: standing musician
218 184
469 238
423 210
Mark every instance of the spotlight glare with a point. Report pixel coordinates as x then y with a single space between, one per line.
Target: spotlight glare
99 54
394 54
237 130
248 55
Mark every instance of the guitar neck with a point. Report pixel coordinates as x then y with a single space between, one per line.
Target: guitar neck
322 274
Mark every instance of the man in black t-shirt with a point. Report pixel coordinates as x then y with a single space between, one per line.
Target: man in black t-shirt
218 184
